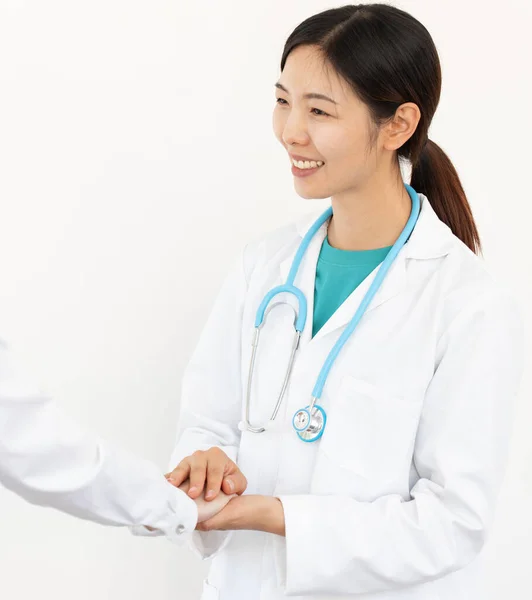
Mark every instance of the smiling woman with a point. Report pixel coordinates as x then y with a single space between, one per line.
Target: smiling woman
412 349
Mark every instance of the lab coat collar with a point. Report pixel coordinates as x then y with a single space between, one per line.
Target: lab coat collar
430 239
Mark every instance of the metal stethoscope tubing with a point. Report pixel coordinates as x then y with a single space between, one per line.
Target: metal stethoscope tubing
255 345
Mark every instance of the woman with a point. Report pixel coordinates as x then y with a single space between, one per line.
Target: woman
397 497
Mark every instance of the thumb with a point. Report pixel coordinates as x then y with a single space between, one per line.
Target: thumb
235 483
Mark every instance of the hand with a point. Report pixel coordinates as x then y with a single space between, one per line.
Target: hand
207 510
260 513
210 469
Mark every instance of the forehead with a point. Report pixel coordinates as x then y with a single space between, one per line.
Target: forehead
307 70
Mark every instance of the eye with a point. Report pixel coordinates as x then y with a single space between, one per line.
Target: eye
318 113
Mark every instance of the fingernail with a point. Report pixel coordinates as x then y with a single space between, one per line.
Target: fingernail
209 494
192 490
172 480
231 485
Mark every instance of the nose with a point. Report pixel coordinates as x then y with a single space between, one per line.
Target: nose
294 130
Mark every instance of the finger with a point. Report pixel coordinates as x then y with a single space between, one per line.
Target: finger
185 486
228 486
180 473
235 483
210 524
198 472
222 520
215 474
203 526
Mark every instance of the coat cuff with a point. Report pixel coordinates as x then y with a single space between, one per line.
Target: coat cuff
177 525
293 556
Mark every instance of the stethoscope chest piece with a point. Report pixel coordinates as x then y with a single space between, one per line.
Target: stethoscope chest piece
309 423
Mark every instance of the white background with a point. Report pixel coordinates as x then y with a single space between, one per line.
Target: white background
136 160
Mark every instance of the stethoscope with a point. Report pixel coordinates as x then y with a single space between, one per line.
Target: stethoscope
309 422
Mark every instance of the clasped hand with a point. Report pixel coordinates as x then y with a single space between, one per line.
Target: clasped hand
212 480
216 483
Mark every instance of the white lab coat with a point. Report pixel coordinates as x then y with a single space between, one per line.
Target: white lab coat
397 498
49 461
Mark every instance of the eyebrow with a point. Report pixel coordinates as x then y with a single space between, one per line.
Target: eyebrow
309 95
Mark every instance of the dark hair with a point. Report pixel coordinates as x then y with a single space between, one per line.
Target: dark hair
389 58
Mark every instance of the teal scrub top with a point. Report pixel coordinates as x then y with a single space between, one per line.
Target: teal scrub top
338 273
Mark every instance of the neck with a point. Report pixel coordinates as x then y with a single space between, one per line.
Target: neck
370 217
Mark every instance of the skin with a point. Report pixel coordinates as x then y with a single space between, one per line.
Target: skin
207 509
211 470
363 180
214 471
370 204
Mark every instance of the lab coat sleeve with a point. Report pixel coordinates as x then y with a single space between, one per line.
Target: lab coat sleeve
338 545
47 460
211 397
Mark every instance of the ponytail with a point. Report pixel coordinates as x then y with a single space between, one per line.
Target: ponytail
434 175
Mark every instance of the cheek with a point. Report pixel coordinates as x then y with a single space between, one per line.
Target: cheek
344 153
330 141
344 150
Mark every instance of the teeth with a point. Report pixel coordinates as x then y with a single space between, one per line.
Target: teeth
306 164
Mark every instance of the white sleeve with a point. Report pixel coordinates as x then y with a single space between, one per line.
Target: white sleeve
338 545
211 398
47 460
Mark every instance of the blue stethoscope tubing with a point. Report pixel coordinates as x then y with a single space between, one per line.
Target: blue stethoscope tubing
309 422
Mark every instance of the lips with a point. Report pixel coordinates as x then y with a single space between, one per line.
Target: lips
304 172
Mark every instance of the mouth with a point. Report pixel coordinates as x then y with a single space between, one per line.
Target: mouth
305 168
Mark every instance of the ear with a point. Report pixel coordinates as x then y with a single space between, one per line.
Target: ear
401 126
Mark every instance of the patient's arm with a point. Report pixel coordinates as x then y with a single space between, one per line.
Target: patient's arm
207 510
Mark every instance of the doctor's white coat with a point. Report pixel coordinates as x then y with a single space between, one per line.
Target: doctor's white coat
397 498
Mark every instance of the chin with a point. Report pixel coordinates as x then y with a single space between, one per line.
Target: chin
313 195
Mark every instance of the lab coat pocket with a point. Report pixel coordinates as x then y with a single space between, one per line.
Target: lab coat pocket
209 591
370 431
